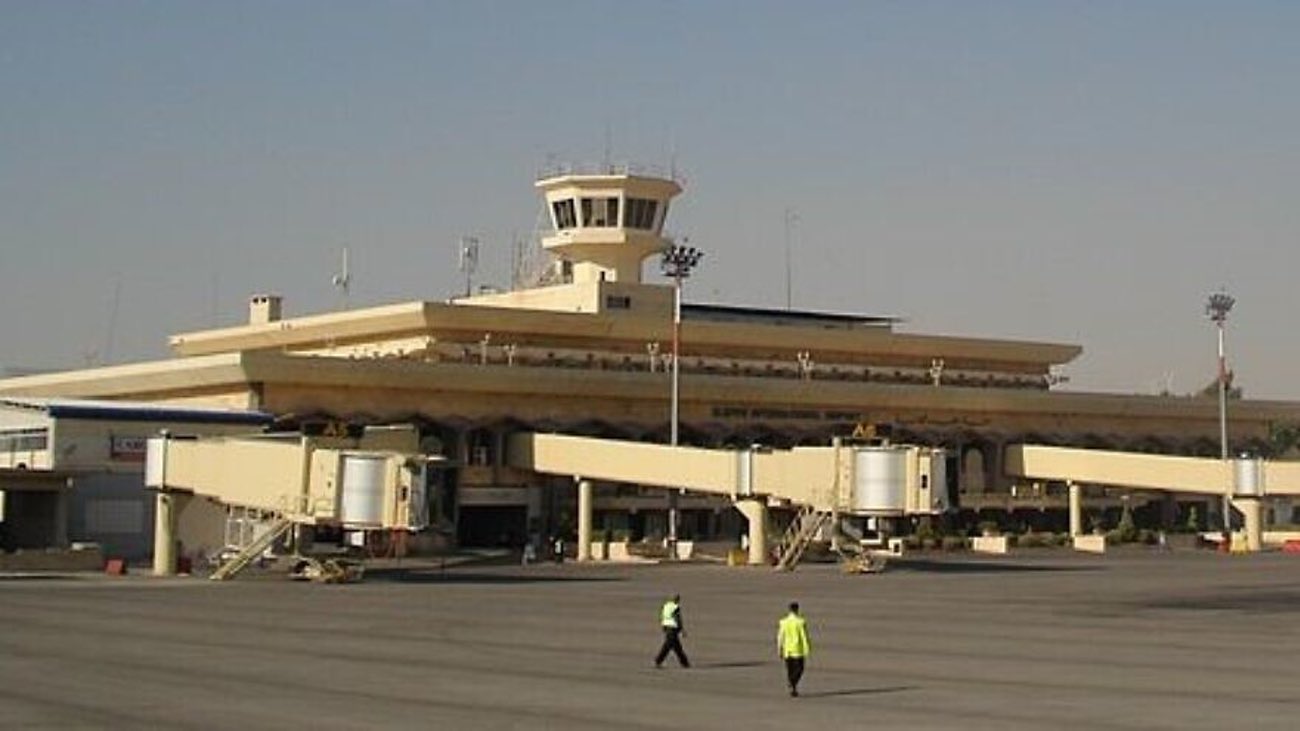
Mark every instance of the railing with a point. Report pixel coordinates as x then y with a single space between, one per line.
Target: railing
472 353
556 169
802 530
249 553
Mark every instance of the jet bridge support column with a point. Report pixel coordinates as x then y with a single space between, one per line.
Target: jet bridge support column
584 519
755 511
164 533
1076 509
1253 514
1248 490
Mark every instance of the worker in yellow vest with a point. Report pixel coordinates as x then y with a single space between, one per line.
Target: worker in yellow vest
670 621
793 645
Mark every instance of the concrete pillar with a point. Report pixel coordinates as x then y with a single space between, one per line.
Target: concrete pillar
999 483
164 534
1076 509
584 519
1254 521
61 518
755 511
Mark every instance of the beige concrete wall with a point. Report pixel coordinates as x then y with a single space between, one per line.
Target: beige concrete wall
201 527
644 300
82 444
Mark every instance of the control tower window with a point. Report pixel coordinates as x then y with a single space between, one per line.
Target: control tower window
565 215
600 212
641 213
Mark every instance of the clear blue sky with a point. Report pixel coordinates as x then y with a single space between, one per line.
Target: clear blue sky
1082 172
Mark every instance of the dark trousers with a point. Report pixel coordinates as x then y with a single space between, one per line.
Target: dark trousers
673 642
793 671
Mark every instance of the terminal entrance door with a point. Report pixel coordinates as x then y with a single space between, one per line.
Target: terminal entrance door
492 526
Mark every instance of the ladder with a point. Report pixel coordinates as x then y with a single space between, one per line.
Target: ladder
803 529
250 552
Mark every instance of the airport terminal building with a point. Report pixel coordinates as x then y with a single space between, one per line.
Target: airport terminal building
591 352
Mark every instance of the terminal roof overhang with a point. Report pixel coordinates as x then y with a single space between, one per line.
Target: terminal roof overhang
90 409
226 372
25 480
706 338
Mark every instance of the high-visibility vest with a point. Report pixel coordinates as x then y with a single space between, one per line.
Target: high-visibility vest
792 636
668 615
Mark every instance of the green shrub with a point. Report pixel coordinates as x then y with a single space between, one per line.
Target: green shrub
1126 529
954 543
925 530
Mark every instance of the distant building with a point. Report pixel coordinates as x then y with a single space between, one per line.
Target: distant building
73 470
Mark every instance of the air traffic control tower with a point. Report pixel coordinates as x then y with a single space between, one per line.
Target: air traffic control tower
606 225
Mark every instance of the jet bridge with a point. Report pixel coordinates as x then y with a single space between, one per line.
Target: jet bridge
1244 481
880 481
296 480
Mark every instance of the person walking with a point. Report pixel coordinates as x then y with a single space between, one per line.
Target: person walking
793 646
670 621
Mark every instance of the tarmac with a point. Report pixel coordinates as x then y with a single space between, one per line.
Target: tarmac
1135 639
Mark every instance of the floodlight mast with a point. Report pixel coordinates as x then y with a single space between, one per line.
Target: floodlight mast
1217 308
677 263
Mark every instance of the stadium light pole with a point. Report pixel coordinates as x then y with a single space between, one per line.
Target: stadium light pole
1217 308
677 263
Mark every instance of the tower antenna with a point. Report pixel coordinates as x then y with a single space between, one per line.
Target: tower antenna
609 165
111 334
791 218
343 280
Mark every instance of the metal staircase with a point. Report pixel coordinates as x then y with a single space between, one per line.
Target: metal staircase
803 529
250 552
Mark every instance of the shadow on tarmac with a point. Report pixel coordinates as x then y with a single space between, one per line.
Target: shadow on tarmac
452 576
733 664
1264 602
980 567
858 691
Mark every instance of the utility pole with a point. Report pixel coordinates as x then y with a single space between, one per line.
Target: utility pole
678 261
1217 309
791 217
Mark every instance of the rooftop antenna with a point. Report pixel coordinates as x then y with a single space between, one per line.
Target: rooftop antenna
111 334
609 166
468 261
343 280
672 153
791 218
215 298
